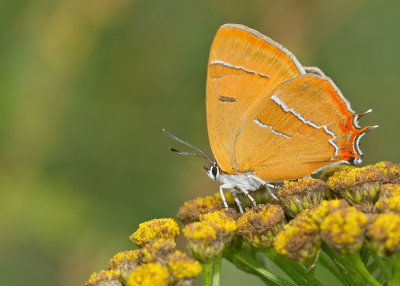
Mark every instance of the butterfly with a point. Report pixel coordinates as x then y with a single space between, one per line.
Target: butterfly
269 118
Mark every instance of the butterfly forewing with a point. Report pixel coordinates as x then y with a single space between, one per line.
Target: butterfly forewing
244 67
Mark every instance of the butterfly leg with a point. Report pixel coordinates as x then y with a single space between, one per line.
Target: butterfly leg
267 186
244 191
238 203
221 191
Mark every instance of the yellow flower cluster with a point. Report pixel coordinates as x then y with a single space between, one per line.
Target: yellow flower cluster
353 205
386 205
207 237
299 240
104 278
155 229
191 210
383 232
344 229
221 221
259 225
150 274
182 267
156 262
302 194
327 207
389 190
124 262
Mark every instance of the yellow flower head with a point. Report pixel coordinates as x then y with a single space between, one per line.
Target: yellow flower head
200 231
203 242
389 190
157 251
299 240
124 262
259 225
182 267
388 205
191 210
302 194
329 172
222 221
155 229
383 231
343 229
367 208
327 207
390 170
104 278
150 274
357 185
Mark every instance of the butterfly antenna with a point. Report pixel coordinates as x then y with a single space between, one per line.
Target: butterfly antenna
205 156
187 153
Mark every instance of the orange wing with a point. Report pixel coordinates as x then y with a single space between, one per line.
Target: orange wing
301 126
243 68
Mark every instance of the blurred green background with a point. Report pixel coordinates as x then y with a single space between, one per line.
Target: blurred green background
86 87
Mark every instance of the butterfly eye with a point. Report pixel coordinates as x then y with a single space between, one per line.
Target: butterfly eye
214 170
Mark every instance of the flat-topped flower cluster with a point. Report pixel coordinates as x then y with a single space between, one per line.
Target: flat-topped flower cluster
347 221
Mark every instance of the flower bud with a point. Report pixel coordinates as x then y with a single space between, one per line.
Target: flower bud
259 225
358 185
302 194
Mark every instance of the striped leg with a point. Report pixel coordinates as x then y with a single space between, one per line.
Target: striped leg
244 191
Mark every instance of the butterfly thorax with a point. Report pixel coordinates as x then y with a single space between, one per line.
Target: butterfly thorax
247 180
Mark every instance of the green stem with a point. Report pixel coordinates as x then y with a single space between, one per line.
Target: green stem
382 265
395 262
311 277
294 271
360 267
331 267
250 265
216 275
346 269
207 273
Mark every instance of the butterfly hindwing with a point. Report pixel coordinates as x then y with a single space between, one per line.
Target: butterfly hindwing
301 126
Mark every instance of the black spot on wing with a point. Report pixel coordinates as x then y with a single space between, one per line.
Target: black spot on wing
223 98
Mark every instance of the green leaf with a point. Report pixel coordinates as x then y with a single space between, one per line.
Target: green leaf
250 265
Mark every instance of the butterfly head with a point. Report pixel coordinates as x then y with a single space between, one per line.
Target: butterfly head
213 171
